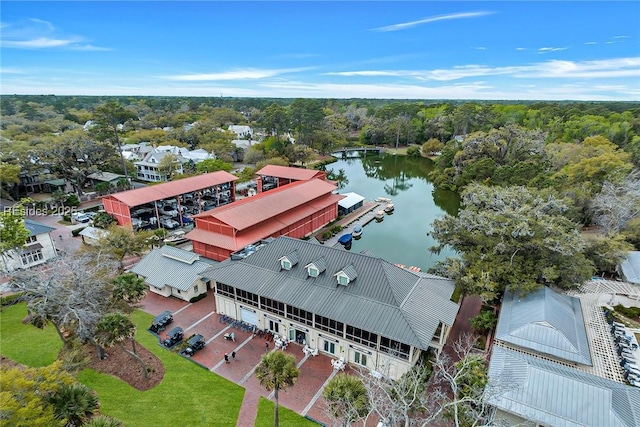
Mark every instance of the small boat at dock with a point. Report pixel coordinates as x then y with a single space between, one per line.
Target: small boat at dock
389 208
382 199
345 239
379 215
357 231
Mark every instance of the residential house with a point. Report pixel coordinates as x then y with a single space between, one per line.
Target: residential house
243 132
171 271
148 168
38 248
345 304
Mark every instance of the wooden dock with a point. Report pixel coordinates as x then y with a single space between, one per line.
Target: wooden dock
362 216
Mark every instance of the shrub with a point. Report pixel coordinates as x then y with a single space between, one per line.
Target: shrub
413 151
66 217
198 297
326 235
630 312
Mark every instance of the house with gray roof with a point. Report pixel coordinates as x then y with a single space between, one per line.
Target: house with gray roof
37 249
530 390
171 271
539 370
544 322
352 305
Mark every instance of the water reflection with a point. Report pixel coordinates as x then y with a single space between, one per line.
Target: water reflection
402 237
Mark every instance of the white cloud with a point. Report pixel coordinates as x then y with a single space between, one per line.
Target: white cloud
40 34
481 48
39 43
406 25
609 68
591 43
551 49
521 48
244 74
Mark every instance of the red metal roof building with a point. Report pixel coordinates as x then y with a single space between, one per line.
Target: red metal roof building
295 210
198 190
274 176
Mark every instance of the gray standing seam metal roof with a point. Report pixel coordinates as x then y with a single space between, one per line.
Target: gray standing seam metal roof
521 384
630 267
163 267
36 228
547 322
384 299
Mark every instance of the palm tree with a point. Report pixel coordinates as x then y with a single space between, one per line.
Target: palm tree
75 403
115 328
347 399
277 371
128 290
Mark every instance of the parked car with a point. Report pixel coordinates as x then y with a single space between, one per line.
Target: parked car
161 321
80 217
169 223
195 343
174 336
169 210
136 222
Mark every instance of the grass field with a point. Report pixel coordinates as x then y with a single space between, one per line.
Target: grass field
287 417
189 395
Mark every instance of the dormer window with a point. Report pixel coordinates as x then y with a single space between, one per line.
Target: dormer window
346 275
316 267
289 260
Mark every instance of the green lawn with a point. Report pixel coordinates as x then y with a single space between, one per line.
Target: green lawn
288 418
189 395
27 344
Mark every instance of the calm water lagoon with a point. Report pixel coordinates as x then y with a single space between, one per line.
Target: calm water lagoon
402 236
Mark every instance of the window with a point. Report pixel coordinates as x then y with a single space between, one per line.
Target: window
225 290
343 280
330 325
285 264
361 336
195 289
313 272
329 347
31 257
300 315
395 348
31 239
359 358
248 297
274 326
272 306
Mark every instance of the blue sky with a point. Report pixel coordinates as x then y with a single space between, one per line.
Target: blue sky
565 50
